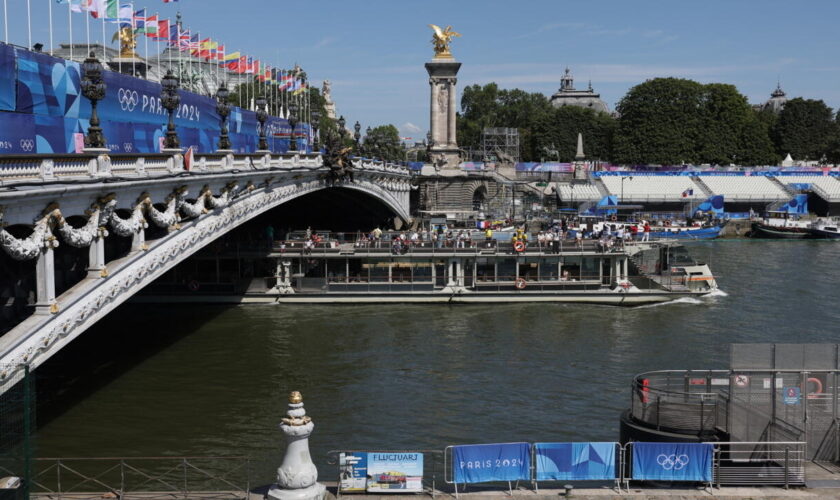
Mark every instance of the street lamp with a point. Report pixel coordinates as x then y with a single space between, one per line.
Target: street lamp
293 109
357 134
262 116
341 123
316 121
223 108
170 100
94 89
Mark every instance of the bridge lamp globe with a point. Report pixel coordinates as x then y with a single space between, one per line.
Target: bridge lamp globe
170 100
93 87
358 133
293 121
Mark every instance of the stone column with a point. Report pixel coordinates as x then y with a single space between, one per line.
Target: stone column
297 476
45 279
96 255
444 148
138 241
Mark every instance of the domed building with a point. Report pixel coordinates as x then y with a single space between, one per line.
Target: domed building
777 101
568 96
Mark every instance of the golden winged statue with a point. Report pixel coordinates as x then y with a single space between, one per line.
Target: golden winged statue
127 41
441 40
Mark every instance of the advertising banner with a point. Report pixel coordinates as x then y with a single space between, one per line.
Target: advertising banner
7 77
395 471
575 461
673 461
352 471
481 463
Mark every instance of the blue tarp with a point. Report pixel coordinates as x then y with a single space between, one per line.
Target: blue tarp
713 204
673 461
482 463
798 205
575 461
7 78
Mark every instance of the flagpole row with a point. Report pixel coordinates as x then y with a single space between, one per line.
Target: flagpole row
49 5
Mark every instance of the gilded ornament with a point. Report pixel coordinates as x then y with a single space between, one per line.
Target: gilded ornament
441 40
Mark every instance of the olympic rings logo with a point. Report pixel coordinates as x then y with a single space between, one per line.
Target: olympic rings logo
672 462
27 145
128 99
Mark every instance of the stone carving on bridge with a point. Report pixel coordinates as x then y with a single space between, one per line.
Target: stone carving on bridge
83 236
126 227
30 247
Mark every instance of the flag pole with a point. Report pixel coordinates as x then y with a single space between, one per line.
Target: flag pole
104 54
49 4
70 26
131 23
29 24
6 21
87 33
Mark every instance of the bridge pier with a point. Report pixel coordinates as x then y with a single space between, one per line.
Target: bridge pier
45 280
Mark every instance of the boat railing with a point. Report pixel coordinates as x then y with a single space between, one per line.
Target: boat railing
681 400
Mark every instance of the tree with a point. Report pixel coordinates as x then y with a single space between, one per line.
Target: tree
384 142
673 121
556 133
805 129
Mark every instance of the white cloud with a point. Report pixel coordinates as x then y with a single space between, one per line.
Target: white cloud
410 128
324 42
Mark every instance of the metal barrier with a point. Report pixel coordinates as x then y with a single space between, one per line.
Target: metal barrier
154 477
619 468
333 457
760 463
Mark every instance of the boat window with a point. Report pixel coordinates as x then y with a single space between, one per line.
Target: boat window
485 269
401 272
379 271
506 270
358 274
679 256
589 268
548 269
528 271
422 271
337 270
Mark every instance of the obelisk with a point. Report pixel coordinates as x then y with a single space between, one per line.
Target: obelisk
443 69
297 476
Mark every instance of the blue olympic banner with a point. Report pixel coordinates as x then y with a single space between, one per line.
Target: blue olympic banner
673 461
7 78
43 111
575 461
482 463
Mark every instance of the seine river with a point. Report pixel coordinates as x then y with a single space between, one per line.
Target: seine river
213 380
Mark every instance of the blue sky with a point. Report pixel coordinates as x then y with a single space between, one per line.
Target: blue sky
373 51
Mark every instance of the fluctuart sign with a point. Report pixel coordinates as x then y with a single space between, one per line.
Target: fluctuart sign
673 461
395 471
491 462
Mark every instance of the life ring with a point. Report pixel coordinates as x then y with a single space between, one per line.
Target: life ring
519 246
818 382
521 283
613 218
645 390
193 286
667 223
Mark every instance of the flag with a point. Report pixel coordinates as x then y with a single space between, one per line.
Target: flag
151 29
220 53
163 30
105 9
125 15
169 1
139 19
688 192
233 56
75 5
188 158
301 88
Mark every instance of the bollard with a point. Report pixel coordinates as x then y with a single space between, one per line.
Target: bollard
568 488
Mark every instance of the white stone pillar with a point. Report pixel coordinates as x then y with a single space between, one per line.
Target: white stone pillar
434 110
96 255
138 241
297 476
452 139
45 279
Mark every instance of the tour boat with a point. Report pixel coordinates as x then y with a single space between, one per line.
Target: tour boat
780 225
825 230
472 271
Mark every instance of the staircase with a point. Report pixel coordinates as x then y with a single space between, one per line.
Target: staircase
789 190
602 188
703 186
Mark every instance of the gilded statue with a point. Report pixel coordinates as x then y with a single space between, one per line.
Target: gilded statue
127 42
441 40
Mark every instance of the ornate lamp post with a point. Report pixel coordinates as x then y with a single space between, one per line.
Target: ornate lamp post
262 116
357 134
293 121
94 89
170 100
316 120
223 108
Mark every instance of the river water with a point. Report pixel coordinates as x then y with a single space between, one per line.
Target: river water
213 380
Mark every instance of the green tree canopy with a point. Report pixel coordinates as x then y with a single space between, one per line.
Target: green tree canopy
673 120
806 129
384 142
556 133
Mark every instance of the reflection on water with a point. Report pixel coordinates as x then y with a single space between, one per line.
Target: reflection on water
212 380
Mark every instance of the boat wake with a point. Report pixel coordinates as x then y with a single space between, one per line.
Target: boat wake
682 300
715 294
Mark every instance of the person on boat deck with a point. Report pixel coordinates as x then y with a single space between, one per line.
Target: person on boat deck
488 236
646 236
377 236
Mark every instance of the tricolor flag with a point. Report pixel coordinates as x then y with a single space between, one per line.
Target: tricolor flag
150 28
220 53
688 192
104 9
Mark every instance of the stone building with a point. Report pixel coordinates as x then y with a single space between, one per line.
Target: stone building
567 95
777 101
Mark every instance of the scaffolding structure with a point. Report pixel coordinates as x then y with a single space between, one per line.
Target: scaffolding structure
500 144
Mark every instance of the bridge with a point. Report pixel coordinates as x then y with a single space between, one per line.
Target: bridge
168 213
